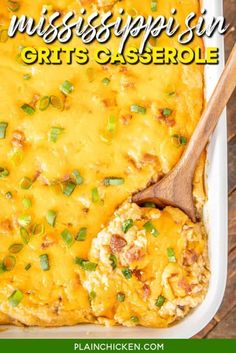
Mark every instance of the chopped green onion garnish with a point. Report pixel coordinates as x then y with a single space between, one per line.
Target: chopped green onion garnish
24 235
134 319
15 248
113 181
9 262
28 109
138 109
44 262
171 255
149 227
57 102
69 188
149 204
128 223
55 133
26 183
172 94
106 81
27 267
24 220
160 301
3 129
27 77
15 298
51 218
113 261
67 87
95 195
127 273
8 195
167 112
92 295
13 6
111 124
154 5
38 229
78 178
2 270
3 172
85 264
67 237
81 236
44 103
120 297
180 140
27 203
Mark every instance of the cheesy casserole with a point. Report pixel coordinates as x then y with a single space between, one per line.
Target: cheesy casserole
76 141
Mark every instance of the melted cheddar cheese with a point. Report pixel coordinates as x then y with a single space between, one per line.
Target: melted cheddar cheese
69 252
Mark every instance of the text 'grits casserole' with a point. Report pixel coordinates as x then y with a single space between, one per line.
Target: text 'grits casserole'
76 141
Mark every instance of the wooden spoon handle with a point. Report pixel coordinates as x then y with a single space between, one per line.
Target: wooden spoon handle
211 114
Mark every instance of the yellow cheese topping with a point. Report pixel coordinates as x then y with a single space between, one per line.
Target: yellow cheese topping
75 142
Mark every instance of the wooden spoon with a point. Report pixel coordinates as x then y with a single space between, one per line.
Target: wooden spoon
175 189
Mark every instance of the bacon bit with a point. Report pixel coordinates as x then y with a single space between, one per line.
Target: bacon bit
125 119
123 69
133 254
66 177
146 290
185 285
18 139
117 243
109 102
47 242
37 175
168 120
6 226
150 158
190 257
137 273
35 100
128 84
181 307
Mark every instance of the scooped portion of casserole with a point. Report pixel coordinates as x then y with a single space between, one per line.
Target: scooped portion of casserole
76 141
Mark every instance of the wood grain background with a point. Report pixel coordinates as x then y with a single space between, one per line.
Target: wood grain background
223 325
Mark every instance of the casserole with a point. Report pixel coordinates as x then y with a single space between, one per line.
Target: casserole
215 218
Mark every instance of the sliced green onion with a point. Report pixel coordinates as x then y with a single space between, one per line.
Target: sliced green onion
172 94
67 87
134 319
69 188
3 172
44 262
9 263
127 273
38 229
57 102
149 204
51 217
27 77
95 195
154 5
67 237
15 298
3 129
160 301
81 236
128 223
111 124
106 81
15 248
13 6
113 261
24 235
27 267
28 109
180 140
3 35
24 220
26 183
85 264
8 195
138 109
149 227
78 178
55 133
171 255
113 181
2 270
120 297
27 203
167 112
44 103
92 295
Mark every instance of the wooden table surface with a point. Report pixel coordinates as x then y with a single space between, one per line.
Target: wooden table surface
223 325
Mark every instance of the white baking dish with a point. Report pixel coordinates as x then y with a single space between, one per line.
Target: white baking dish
216 222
